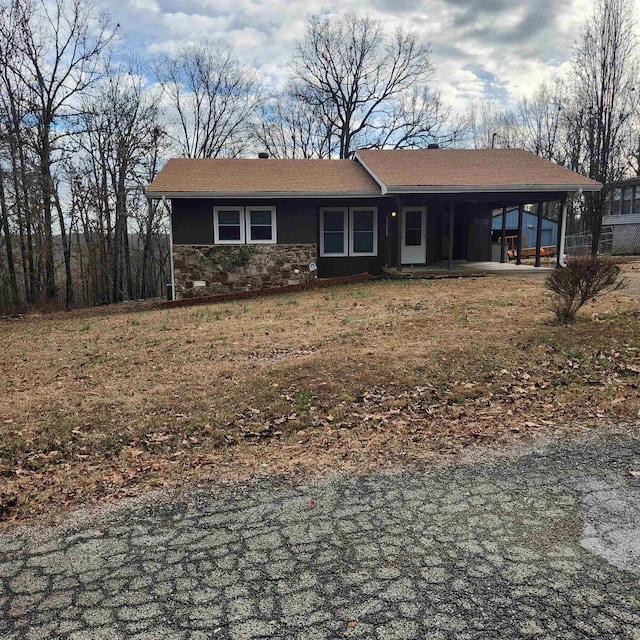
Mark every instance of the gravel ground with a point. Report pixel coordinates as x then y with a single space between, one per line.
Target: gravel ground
542 545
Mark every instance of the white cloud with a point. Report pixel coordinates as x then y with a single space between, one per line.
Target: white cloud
147 6
496 49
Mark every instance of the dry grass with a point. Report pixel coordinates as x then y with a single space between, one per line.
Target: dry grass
107 403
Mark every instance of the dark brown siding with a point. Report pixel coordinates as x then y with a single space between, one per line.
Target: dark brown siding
192 221
335 267
298 223
344 266
297 220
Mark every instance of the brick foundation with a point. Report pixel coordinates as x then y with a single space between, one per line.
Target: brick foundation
205 270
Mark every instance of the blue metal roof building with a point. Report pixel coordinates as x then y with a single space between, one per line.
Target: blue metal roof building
529 226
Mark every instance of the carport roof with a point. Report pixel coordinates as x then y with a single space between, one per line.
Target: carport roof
468 170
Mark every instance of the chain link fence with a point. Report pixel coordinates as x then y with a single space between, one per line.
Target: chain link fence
618 240
626 239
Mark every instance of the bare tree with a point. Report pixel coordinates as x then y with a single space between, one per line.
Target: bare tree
18 145
79 141
55 50
120 132
286 127
369 87
4 227
212 95
604 74
542 122
490 126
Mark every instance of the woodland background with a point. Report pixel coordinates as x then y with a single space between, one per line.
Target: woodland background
85 126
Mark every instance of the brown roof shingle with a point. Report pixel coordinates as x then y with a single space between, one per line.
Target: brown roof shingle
473 169
395 171
256 176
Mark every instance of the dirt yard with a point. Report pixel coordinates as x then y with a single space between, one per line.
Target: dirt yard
106 403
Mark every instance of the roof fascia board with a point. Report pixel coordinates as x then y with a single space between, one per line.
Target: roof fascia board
494 189
367 168
157 195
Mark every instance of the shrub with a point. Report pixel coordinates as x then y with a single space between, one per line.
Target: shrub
583 279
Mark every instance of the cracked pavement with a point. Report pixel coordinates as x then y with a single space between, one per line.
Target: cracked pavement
543 545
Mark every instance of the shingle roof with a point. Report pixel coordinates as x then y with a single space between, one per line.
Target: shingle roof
443 170
189 176
382 171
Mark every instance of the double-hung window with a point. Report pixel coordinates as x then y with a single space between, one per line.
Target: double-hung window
228 225
363 239
261 224
348 231
333 232
240 225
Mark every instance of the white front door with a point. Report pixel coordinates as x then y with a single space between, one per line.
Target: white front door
414 235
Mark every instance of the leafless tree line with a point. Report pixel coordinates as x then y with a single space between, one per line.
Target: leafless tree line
84 129
80 137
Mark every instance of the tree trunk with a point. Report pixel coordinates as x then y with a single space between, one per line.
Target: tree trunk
115 266
20 217
46 185
66 248
127 259
145 252
13 280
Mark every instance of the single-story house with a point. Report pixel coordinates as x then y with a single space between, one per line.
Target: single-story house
251 223
549 229
623 216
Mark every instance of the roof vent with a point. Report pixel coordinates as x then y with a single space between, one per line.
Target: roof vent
433 145
263 155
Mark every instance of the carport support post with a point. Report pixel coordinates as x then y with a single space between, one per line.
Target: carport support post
520 221
172 271
452 208
539 234
398 206
503 241
563 232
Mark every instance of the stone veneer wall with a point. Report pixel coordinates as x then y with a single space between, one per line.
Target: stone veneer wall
229 268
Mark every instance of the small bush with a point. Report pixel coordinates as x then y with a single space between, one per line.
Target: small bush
583 279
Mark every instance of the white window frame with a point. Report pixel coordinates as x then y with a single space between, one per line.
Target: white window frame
245 224
216 227
274 230
352 251
345 240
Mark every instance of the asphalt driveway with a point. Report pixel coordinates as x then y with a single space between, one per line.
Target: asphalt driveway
545 545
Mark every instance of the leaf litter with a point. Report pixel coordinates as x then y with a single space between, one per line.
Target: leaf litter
412 371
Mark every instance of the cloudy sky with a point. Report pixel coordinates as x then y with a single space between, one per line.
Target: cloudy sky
499 49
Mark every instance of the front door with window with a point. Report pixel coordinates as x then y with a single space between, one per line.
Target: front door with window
414 235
